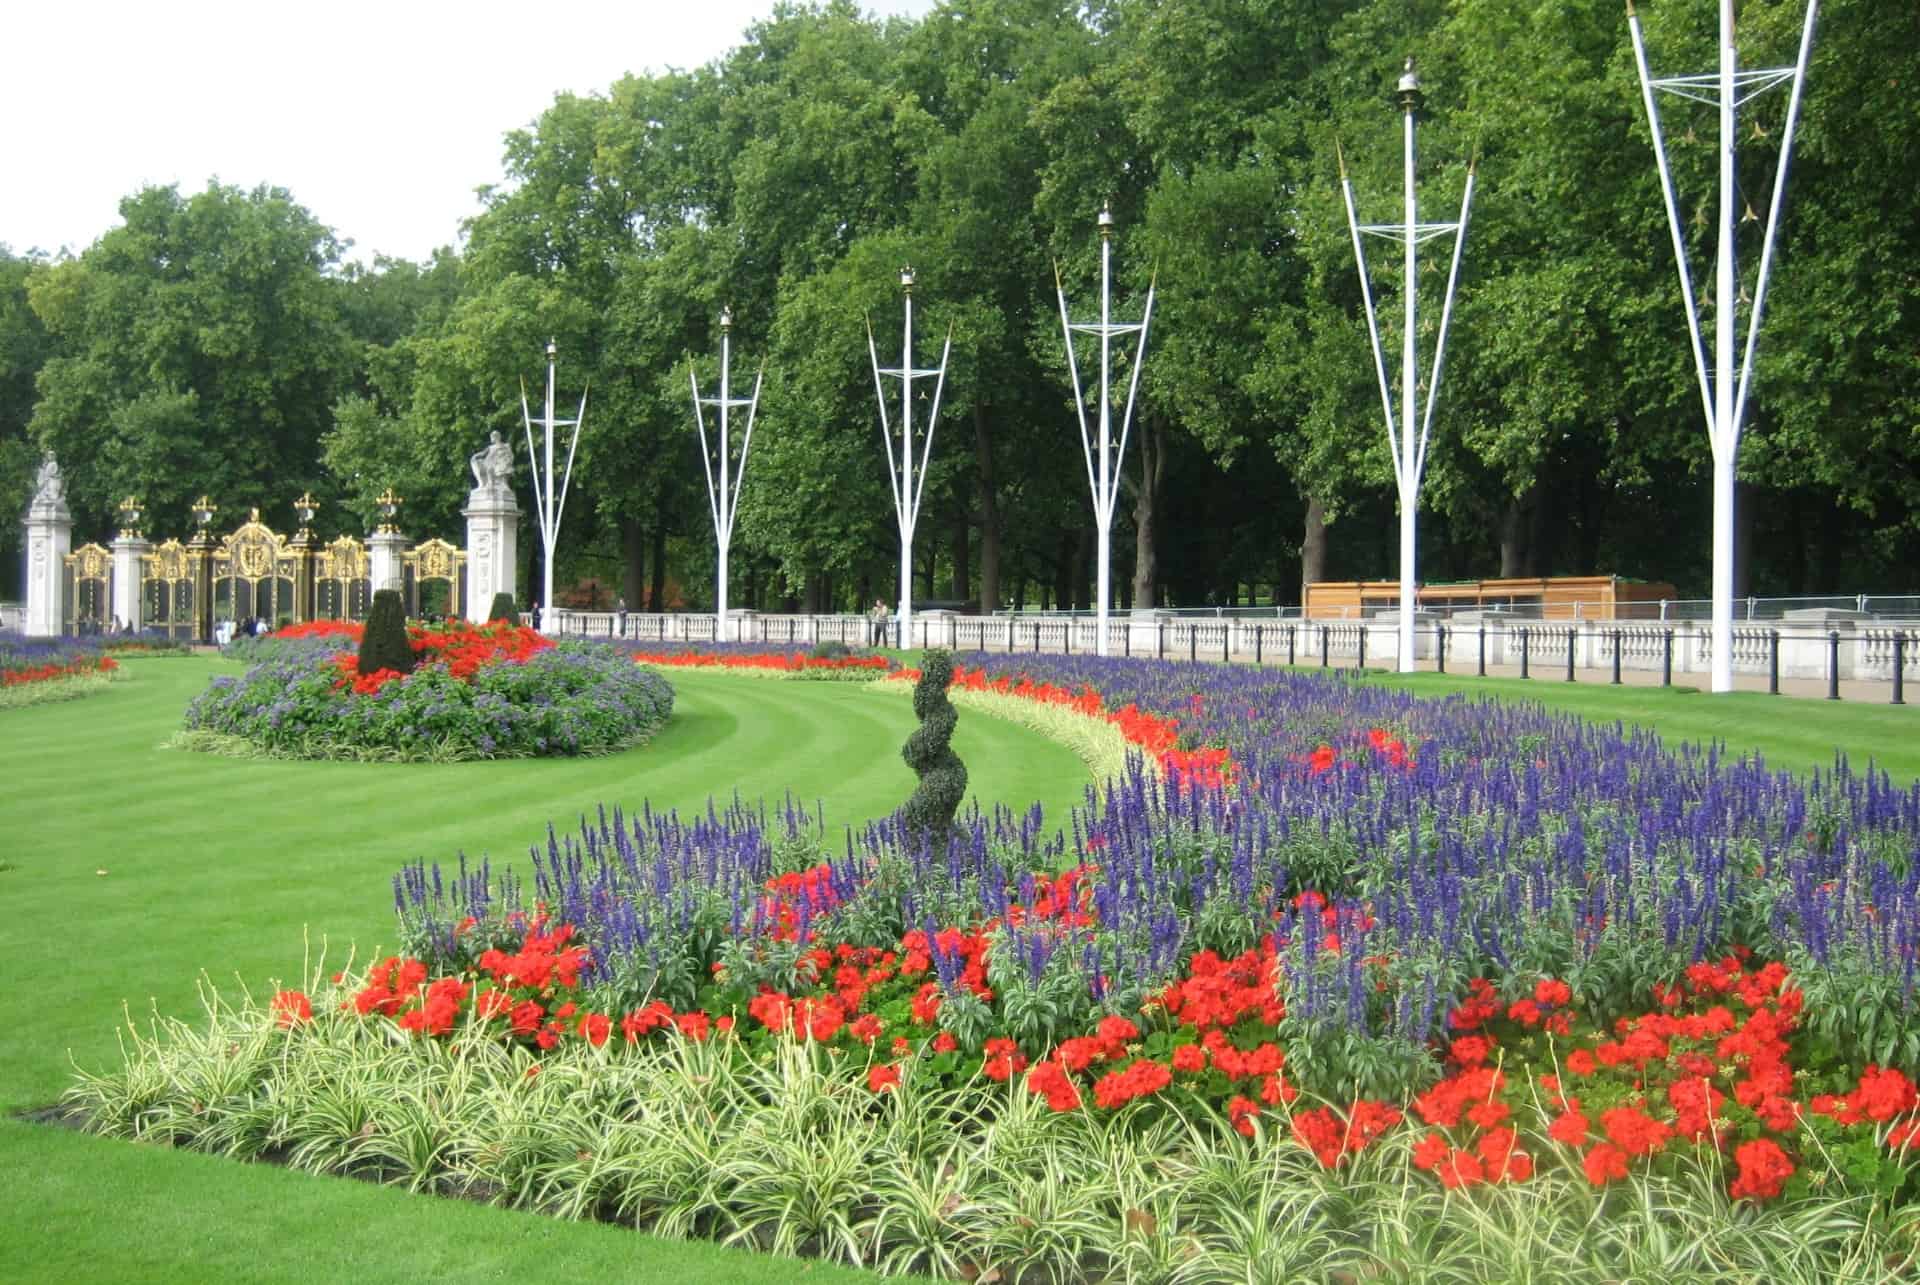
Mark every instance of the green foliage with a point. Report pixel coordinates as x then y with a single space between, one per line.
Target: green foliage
384 645
791 1152
503 608
928 813
830 651
197 347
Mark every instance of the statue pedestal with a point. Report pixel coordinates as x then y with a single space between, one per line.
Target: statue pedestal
49 526
127 601
384 568
493 533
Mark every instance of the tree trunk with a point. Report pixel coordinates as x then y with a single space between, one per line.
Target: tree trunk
989 510
1515 527
633 548
1313 546
962 523
657 590
1063 572
1146 510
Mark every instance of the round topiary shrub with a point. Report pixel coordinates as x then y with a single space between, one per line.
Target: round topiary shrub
503 608
830 651
929 812
384 644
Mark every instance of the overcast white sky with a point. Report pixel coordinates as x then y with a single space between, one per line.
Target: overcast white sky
380 118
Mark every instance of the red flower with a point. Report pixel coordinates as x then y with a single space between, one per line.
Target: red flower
1605 1164
1634 1131
882 1077
1552 991
595 1027
1570 1129
1189 1058
1764 1170
1431 1150
290 1008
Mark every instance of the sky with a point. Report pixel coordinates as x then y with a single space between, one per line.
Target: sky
380 118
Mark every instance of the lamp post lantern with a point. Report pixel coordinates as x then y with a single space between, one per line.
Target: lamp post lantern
1103 474
1408 442
723 477
1724 401
907 483
550 506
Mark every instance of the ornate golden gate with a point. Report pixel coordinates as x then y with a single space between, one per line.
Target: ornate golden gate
342 585
166 590
254 574
436 579
89 595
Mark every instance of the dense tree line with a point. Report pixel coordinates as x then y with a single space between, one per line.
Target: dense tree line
215 342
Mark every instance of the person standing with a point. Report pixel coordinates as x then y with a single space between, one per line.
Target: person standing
877 620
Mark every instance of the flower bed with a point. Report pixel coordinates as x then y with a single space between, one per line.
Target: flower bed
496 691
1401 947
760 660
36 670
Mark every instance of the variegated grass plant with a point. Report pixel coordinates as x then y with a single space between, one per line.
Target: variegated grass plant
792 1154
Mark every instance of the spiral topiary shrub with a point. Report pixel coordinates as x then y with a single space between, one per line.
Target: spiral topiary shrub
929 752
385 645
503 608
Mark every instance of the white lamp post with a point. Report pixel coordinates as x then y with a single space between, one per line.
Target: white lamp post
723 477
1409 449
550 506
1725 405
1103 475
907 485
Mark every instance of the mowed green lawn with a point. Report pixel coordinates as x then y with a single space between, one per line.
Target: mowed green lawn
1791 733
129 869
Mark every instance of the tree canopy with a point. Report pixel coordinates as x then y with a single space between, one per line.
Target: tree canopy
215 342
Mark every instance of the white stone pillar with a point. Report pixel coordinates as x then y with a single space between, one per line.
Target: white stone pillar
49 526
127 599
493 549
384 570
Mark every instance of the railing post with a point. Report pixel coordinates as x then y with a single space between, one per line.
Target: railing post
1161 642
1009 635
1036 637
1066 638
1440 647
1290 629
1193 641
1616 658
1526 636
1257 631
1226 639
1483 649
1899 667
1773 662
1325 651
1360 657
1833 664
1570 638
1666 658
1126 638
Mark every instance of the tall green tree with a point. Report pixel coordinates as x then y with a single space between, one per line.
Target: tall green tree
200 345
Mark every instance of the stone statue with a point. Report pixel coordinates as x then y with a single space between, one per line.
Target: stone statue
493 467
49 486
